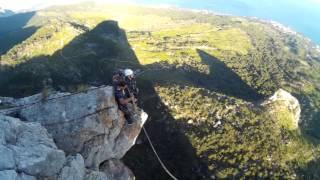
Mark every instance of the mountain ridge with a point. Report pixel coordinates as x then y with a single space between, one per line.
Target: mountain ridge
6 12
211 67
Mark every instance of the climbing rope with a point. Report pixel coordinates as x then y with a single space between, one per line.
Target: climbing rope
155 152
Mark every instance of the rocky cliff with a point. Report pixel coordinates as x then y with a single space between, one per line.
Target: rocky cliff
285 107
66 136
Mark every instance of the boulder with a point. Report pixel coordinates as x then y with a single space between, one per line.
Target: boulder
87 126
88 123
96 175
115 169
285 107
13 175
8 174
74 169
23 176
7 158
28 148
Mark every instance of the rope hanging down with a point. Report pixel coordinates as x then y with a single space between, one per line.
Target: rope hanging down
155 152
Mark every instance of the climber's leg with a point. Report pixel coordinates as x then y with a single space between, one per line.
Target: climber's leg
127 114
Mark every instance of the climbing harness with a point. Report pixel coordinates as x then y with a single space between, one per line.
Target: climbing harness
155 152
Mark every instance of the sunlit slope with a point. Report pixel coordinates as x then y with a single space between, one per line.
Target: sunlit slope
207 68
262 56
236 138
44 42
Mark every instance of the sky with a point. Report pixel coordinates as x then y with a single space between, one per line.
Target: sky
17 5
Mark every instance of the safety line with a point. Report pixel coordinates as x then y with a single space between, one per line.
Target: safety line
155 152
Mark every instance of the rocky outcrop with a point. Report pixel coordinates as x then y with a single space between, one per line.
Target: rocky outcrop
26 149
285 107
85 126
73 168
115 169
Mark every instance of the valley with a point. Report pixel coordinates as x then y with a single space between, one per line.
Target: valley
203 78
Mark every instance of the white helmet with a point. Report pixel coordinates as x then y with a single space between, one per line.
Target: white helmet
128 72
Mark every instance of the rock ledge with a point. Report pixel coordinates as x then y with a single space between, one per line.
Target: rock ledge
66 136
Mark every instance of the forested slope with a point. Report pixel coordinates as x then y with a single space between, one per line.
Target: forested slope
198 69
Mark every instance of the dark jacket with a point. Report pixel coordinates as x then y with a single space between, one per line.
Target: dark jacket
132 86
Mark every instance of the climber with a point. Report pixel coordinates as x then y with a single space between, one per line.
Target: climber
117 77
124 101
131 83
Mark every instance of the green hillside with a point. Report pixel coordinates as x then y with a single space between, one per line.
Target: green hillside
197 70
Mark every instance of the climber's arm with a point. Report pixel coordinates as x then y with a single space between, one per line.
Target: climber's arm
126 101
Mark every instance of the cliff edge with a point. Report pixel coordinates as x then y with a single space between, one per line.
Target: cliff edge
66 136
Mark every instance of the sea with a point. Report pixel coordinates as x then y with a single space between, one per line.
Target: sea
302 16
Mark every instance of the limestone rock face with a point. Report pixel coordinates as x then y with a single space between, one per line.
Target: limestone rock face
27 148
8 174
115 169
73 169
95 175
87 126
286 106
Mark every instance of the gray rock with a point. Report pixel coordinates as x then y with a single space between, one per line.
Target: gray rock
88 123
40 160
6 158
8 175
12 175
95 175
2 138
34 151
23 176
7 100
282 101
74 169
115 169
